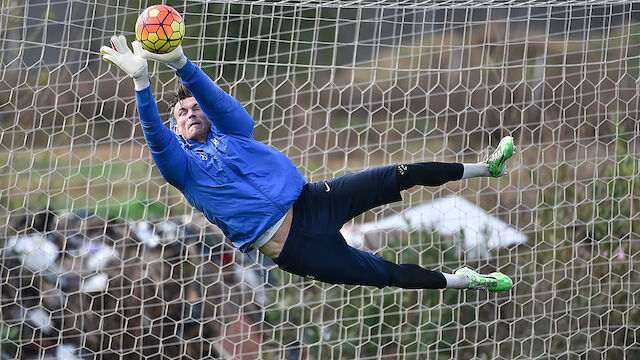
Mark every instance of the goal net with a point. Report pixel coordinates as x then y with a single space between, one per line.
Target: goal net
100 258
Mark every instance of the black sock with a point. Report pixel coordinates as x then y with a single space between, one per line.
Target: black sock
412 276
427 174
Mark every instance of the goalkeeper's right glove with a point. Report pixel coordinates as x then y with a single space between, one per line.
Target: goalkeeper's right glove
175 59
130 62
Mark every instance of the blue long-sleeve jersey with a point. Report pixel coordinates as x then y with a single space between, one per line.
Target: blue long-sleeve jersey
240 184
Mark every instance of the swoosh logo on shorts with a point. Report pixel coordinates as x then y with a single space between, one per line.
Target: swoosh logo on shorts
327 188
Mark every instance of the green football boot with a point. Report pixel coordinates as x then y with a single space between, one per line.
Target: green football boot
497 162
494 282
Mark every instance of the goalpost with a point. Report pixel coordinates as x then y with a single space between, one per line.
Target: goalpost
101 258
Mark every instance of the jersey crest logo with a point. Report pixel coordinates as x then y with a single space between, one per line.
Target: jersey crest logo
201 153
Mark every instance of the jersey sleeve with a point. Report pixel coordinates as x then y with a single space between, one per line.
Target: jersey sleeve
225 112
167 153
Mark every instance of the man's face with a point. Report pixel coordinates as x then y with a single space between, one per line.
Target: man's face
191 123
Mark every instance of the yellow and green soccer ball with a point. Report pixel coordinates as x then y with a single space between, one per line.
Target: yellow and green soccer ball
159 29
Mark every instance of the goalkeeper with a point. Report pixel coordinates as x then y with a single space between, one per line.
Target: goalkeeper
260 200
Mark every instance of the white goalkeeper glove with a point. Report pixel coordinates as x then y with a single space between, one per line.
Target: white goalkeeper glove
175 59
130 62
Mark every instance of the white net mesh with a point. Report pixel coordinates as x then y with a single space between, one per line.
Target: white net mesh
100 258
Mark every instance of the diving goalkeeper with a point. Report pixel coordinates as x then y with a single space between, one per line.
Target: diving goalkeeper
260 200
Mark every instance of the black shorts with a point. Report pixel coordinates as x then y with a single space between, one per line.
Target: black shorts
315 248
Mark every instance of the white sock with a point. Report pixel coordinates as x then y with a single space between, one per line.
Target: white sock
456 281
475 170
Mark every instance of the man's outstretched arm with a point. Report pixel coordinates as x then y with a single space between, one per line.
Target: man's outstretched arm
226 113
165 148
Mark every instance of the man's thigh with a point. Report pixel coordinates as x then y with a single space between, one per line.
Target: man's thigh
339 200
328 258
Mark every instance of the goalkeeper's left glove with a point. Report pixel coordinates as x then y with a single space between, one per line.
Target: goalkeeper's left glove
130 62
175 59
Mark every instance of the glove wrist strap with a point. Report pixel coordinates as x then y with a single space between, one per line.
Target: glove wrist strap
141 82
177 64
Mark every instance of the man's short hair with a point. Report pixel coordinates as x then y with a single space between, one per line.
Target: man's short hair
176 96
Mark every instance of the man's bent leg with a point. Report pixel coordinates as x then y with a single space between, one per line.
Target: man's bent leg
328 258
